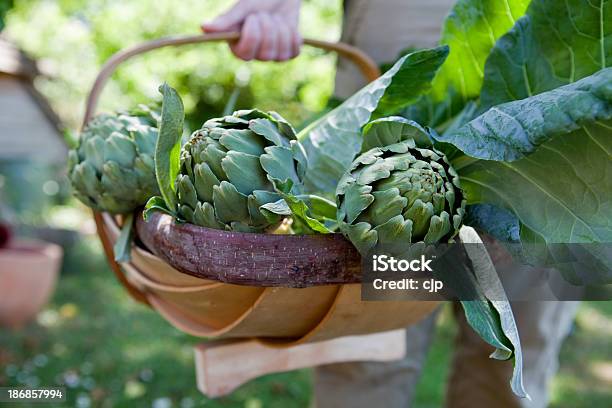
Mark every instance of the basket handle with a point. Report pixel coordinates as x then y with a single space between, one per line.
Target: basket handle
366 65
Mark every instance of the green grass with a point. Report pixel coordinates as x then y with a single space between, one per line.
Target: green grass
112 352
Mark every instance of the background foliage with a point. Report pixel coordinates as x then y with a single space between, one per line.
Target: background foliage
92 338
73 38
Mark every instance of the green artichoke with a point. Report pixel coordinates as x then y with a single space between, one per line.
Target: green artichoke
112 169
233 166
397 195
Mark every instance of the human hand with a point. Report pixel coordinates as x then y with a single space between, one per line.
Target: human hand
268 29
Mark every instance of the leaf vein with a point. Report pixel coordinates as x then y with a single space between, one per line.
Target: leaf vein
547 193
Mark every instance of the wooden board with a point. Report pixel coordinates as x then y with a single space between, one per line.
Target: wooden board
223 366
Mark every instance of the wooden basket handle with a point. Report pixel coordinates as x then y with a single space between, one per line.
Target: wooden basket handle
366 65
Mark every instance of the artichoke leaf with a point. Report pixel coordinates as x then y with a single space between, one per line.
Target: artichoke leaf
279 164
93 149
267 129
229 204
186 213
86 180
439 226
394 234
205 180
247 115
123 245
245 172
186 191
302 212
156 204
144 166
394 129
285 127
363 237
300 156
120 149
528 60
242 141
143 138
256 200
233 120
320 206
204 215
167 150
513 130
356 199
381 169
386 205
279 207
119 180
420 212
299 207
213 155
572 200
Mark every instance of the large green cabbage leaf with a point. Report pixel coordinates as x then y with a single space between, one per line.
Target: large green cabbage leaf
558 184
470 30
555 43
492 314
560 192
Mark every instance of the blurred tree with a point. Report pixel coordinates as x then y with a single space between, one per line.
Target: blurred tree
73 38
5 6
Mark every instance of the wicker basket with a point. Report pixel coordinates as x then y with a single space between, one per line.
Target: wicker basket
311 294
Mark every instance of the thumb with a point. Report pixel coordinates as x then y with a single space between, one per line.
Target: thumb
230 19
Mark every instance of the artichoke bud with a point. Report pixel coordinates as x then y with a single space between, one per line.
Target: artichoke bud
395 196
112 169
232 164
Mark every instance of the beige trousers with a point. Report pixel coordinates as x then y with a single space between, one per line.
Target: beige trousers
475 381
382 28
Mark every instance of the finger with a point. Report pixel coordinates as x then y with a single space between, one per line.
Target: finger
284 39
231 19
296 43
250 39
268 51
208 29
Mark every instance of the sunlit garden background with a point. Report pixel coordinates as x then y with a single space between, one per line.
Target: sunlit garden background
106 349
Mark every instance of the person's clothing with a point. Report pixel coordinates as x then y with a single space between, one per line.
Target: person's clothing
376 384
383 28
542 325
478 381
475 380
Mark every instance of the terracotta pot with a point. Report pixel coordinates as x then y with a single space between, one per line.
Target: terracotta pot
28 272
